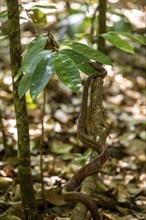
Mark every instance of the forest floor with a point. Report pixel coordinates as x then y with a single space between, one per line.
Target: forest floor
121 187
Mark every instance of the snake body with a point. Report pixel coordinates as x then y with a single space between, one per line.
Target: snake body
69 193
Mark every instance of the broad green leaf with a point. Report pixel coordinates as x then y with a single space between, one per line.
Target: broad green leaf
143 38
35 60
38 17
24 85
67 71
90 53
122 25
25 82
133 37
80 60
41 75
32 64
115 40
32 49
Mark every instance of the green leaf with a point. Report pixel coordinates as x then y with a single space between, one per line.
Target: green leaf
82 158
3 15
43 6
122 25
62 149
35 60
41 75
90 53
31 64
25 82
132 37
80 60
143 38
38 17
115 40
20 73
24 85
67 71
32 49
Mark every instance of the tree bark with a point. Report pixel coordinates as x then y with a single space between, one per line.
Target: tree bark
4 138
24 162
101 24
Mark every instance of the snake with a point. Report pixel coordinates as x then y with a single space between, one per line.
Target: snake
69 190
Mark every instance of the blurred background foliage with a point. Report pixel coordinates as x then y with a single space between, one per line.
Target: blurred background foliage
74 19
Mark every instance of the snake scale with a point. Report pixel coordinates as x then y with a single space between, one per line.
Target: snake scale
69 193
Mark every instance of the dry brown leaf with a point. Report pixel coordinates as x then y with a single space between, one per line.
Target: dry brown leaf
122 210
137 148
121 193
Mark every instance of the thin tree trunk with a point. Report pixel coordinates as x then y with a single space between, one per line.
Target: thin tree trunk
102 24
4 137
24 163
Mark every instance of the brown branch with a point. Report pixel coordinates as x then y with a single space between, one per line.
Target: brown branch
101 24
